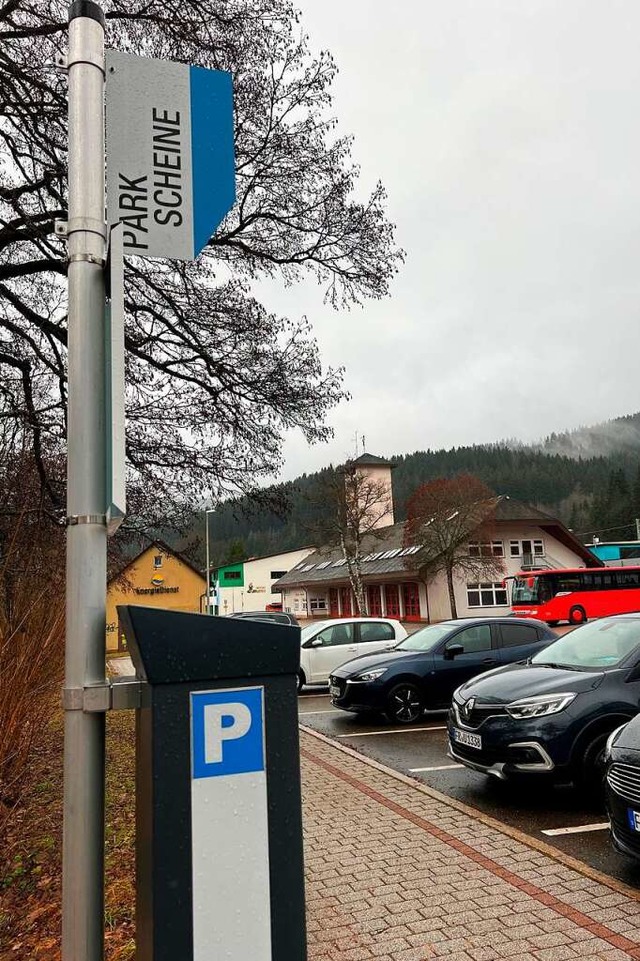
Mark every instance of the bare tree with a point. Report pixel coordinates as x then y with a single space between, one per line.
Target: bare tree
213 378
350 509
444 516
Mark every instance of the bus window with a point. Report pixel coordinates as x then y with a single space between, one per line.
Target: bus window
569 582
525 590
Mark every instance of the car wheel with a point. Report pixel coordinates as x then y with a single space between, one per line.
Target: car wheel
301 680
404 704
577 615
590 768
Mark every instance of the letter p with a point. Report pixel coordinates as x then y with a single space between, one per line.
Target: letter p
223 722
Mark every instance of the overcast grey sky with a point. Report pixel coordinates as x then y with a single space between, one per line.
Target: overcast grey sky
507 135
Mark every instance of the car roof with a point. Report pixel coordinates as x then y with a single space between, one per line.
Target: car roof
506 619
351 620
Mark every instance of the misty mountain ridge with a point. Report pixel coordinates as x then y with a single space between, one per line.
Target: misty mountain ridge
620 435
588 477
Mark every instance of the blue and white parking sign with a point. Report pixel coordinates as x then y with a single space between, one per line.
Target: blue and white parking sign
230 826
227 732
170 157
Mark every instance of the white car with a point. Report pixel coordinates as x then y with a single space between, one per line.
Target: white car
328 644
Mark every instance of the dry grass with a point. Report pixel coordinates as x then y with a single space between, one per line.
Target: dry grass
30 859
31 647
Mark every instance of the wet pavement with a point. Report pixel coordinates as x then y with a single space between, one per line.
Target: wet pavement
420 751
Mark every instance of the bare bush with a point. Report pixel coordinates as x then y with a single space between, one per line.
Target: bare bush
31 621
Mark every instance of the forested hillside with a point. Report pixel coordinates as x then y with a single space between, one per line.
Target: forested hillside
591 494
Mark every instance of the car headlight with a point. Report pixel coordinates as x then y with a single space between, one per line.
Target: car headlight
540 705
611 740
372 675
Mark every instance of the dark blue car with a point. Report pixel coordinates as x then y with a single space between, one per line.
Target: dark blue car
552 716
423 670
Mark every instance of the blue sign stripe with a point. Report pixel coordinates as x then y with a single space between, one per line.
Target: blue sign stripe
212 155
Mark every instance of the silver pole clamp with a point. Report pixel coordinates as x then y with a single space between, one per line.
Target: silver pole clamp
76 519
121 694
87 225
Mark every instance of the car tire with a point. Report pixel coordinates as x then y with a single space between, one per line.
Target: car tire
589 774
404 704
577 615
301 680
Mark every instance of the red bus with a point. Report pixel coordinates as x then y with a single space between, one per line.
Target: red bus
575 595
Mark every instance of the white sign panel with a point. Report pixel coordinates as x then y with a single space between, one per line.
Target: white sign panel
229 826
170 166
114 382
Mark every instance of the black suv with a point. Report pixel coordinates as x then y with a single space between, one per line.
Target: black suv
552 716
276 617
423 670
622 768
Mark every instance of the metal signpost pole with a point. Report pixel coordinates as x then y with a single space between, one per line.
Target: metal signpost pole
83 844
206 537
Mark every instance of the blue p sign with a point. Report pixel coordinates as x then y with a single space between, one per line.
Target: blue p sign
227 732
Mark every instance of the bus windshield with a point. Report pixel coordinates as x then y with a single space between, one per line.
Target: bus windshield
525 590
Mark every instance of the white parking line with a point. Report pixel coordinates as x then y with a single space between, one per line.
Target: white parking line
577 829
395 730
437 767
326 711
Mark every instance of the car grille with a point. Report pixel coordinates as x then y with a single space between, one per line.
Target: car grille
631 839
624 779
478 714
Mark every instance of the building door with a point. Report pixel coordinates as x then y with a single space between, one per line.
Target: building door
392 600
411 598
375 600
345 600
334 609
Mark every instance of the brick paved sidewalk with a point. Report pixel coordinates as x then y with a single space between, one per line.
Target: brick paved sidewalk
395 872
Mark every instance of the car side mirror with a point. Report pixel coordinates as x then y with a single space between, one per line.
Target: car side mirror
316 642
452 651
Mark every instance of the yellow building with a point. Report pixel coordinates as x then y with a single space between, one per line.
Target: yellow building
158 577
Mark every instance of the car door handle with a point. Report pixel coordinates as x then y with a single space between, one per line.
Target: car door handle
489 660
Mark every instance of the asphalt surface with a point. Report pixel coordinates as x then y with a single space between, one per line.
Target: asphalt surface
533 810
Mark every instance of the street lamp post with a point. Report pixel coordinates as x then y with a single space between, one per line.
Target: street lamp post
209 510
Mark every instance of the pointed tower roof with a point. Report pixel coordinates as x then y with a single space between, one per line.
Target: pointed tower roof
369 460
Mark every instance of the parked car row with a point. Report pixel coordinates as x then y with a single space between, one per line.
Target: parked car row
564 709
522 703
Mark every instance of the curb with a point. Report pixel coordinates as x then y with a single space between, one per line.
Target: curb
565 859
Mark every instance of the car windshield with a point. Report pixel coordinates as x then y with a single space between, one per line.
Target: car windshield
311 629
599 644
424 639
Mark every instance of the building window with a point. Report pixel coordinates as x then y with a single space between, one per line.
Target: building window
411 598
375 600
334 609
157 561
345 600
231 575
487 595
318 604
392 600
486 549
276 575
534 546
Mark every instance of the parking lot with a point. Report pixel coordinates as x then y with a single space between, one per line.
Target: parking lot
557 816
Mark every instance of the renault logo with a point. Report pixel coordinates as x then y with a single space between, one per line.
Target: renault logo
467 708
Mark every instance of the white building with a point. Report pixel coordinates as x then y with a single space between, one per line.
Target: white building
523 538
248 585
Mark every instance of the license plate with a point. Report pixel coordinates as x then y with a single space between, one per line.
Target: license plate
334 691
464 737
634 819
